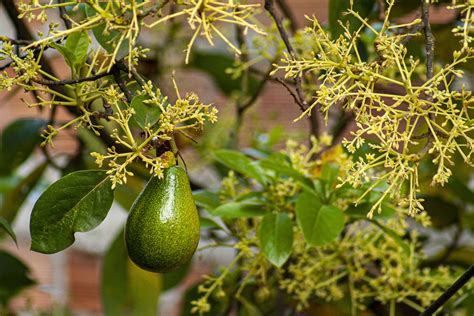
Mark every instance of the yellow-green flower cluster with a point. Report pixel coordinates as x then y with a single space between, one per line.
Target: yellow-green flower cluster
399 117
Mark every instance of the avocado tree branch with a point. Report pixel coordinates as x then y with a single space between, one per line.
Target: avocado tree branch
120 82
298 96
71 81
430 41
285 8
270 7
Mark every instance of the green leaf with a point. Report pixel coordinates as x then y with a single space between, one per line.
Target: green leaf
329 173
146 115
174 278
443 213
320 224
239 162
249 309
6 226
13 199
392 234
215 65
18 141
276 237
206 199
78 202
337 10
361 210
239 209
460 190
75 49
127 289
108 39
7 183
280 167
14 276
78 44
209 223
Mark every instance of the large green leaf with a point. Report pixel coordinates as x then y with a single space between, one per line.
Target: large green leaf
239 162
276 237
78 202
14 198
320 224
18 141
239 209
14 276
337 9
5 225
127 289
146 115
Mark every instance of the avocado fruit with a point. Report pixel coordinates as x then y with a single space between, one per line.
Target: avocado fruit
162 229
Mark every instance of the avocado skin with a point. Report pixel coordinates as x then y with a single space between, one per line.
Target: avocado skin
162 229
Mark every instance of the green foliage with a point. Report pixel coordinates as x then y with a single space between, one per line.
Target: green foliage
320 223
145 115
276 237
18 141
77 202
14 276
239 209
5 225
13 198
127 289
75 50
240 163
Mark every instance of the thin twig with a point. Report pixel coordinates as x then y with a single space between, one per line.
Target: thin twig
71 81
285 8
292 93
270 7
257 93
64 16
15 41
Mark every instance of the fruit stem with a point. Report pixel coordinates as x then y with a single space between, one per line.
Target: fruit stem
174 148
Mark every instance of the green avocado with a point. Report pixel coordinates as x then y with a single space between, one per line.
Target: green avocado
162 229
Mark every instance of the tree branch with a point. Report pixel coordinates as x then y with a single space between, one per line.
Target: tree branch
285 8
71 81
429 45
121 83
270 7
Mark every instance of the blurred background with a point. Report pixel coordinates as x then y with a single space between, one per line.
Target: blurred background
72 277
